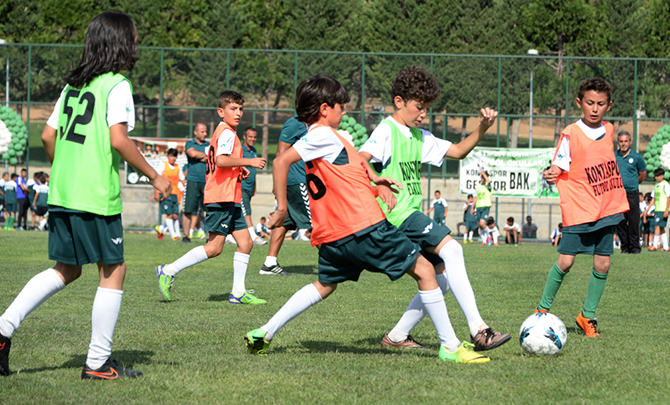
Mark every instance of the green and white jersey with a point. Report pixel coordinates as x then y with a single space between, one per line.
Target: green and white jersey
483 195
660 195
467 216
42 191
85 170
10 192
398 151
2 189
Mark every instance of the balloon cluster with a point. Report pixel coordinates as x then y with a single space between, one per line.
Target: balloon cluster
13 135
658 151
354 132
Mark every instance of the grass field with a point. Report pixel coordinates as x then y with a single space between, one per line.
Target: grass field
192 351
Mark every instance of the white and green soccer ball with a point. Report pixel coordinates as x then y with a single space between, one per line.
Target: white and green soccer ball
13 135
352 131
543 334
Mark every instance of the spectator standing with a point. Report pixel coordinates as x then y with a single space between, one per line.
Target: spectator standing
196 154
22 200
633 172
441 207
529 228
249 184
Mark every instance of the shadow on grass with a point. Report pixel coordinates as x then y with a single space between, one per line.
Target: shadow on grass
301 269
320 346
125 358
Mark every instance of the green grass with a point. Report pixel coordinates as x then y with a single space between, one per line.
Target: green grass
192 350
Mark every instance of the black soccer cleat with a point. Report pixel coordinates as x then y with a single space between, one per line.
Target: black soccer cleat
108 371
5 345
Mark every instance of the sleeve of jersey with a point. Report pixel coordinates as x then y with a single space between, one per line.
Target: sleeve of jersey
379 145
226 143
120 106
563 158
53 119
434 149
160 169
319 143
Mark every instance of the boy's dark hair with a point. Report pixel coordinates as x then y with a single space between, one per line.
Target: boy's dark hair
415 83
560 225
109 47
5 174
263 219
438 191
596 84
510 219
470 196
315 91
24 170
647 196
13 176
659 172
43 178
172 152
490 221
230 96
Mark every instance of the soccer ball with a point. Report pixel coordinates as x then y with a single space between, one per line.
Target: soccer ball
543 334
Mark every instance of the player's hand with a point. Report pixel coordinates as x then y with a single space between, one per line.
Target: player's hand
244 173
278 218
551 174
162 184
387 195
258 163
388 182
487 117
665 214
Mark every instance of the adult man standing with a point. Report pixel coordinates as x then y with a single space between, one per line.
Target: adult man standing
22 200
196 153
529 228
249 184
633 172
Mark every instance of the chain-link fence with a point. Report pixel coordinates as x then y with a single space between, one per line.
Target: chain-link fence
174 88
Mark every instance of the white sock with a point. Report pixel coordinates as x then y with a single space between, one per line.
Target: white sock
106 307
176 228
664 240
452 256
470 235
190 233
42 223
170 227
162 227
270 261
433 302
240 263
302 232
297 304
192 257
252 233
442 282
34 293
657 240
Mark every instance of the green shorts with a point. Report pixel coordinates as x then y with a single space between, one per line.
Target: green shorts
79 238
298 215
425 232
224 218
471 224
440 221
659 220
246 202
194 197
170 205
483 213
380 248
12 206
599 242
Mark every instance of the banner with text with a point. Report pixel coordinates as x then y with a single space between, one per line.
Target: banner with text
513 172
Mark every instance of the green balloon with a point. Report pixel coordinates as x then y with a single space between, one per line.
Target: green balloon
357 127
352 120
647 156
13 161
5 156
11 152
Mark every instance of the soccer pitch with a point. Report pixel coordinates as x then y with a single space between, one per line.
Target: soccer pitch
192 350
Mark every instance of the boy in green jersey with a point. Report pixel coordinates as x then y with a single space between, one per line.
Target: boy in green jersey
396 149
84 139
660 199
11 202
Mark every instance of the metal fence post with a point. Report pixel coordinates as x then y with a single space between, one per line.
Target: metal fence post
161 112
30 64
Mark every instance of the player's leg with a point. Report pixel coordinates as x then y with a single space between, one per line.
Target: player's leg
106 308
555 279
239 294
271 266
40 288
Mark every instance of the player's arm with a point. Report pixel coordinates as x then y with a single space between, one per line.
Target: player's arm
118 134
641 176
195 154
429 211
446 209
34 204
229 161
552 173
472 209
280 167
282 147
383 190
487 117
49 142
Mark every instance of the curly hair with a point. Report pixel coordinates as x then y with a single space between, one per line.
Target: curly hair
596 84
415 83
230 96
315 91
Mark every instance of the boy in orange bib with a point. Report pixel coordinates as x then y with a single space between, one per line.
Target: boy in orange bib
592 198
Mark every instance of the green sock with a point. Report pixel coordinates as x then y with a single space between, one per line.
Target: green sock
554 281
595 291
11 222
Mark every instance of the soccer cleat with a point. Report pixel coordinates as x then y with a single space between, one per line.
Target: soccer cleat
5 345
158 231
175 238
256 343
589 326
538 310
666 250
259 241
487 339
652 248
164 281
464 354
201 234
276 269
408 343
246 298
108 371
186 239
